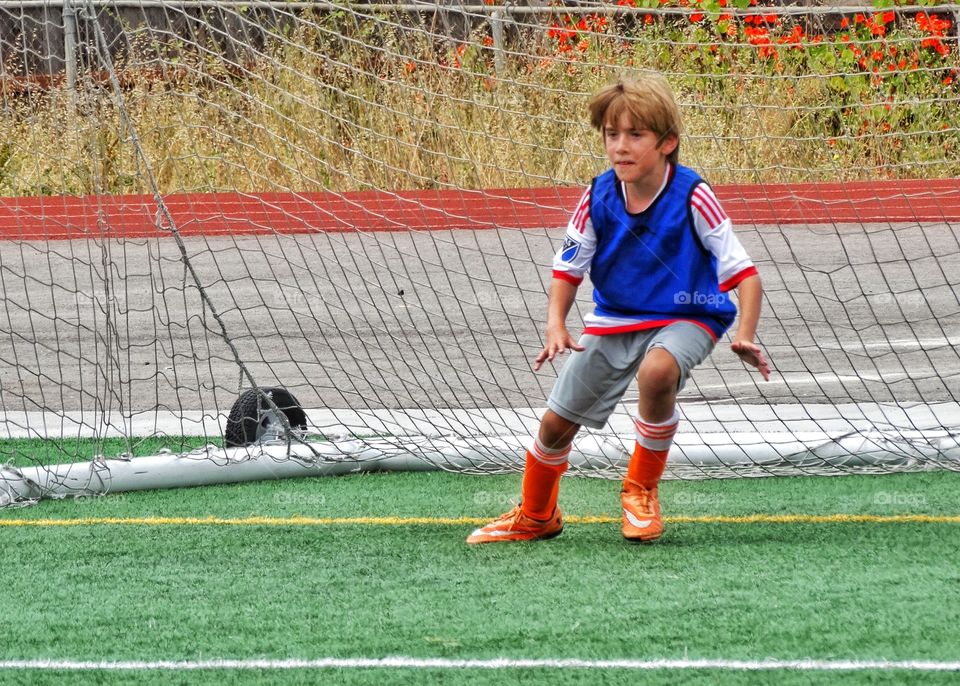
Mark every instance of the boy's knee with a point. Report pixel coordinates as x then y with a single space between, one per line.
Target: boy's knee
556 431
659 374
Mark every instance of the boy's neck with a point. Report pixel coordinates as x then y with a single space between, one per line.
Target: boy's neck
641 194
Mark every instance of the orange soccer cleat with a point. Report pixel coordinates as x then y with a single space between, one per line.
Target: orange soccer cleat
516 526
641 512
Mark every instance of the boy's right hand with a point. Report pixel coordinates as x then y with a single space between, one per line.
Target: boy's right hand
558 342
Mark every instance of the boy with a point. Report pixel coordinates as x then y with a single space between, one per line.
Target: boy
661 254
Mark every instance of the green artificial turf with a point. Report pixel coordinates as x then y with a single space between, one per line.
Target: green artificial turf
749 591
30 452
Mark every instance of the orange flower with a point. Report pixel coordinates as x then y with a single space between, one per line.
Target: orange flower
696 17
845 22
877 29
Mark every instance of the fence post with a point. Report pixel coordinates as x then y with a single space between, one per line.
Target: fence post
496 28
70 52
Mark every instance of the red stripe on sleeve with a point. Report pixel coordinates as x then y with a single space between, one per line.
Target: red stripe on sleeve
570 278
734 280
582 213
708 207
712 201
706 214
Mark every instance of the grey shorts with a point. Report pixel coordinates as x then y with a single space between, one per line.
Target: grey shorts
593 381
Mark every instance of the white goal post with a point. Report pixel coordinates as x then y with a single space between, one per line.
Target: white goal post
358 204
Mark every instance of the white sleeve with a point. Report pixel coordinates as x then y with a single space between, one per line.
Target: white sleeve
715 231
580 242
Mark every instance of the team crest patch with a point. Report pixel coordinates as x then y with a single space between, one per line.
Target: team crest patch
569 250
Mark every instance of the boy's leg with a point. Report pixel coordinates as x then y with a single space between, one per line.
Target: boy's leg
674 351
545 463
655 426
590 385
537 516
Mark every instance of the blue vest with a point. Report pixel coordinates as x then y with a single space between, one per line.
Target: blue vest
653 265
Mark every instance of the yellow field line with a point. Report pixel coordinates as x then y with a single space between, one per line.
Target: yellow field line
466 521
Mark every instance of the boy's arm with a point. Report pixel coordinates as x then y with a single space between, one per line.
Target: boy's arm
734 270
562 295
569 265
750 293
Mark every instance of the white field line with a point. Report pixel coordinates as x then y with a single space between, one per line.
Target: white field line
401 662
805 378
896 343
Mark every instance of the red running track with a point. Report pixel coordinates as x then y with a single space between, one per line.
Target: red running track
220 214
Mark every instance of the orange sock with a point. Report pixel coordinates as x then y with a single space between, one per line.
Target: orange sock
650 453
541 480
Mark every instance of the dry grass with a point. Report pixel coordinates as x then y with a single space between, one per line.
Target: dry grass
397 109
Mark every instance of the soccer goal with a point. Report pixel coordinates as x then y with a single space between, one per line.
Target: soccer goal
282 238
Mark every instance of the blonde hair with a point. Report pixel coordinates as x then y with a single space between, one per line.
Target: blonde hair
649 101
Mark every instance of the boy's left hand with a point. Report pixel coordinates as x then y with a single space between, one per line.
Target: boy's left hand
751 354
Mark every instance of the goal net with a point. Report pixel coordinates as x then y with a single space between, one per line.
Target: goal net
358 204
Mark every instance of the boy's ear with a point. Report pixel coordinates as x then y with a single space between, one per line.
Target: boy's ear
669 143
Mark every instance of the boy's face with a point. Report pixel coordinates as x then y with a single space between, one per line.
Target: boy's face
637 155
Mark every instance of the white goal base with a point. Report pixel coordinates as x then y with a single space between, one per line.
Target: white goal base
695 455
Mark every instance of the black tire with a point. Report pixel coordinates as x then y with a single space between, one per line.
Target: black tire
250 416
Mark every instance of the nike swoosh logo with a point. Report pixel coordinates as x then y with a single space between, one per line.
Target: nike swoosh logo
639 523
500 532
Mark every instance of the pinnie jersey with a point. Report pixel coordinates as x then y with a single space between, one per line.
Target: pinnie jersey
674 261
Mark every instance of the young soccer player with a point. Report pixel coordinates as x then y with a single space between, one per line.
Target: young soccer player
662 255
